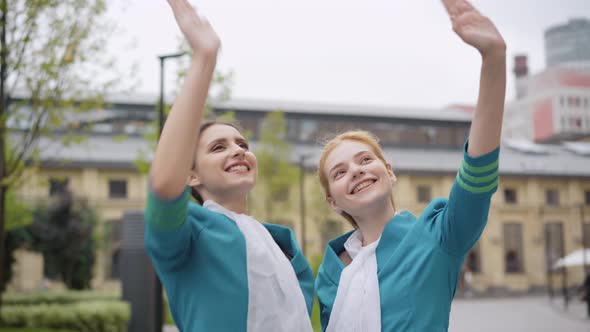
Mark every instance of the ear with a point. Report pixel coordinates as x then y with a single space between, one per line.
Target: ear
193 179
391 173
333 205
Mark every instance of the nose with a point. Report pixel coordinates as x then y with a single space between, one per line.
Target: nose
238 151
356 171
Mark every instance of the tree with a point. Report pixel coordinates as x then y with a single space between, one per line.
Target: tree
277 174
52 53
63 233
18 216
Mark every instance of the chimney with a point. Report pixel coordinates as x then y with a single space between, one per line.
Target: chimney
521 72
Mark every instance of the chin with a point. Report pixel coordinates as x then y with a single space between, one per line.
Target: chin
369 199
242 185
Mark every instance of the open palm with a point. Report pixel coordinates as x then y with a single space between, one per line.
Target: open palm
197 30
474 28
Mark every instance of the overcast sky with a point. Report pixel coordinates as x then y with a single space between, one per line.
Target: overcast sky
372 52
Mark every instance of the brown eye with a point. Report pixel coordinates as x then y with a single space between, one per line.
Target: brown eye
217 147
366 160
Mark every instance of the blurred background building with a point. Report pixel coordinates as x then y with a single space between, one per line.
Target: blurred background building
540 213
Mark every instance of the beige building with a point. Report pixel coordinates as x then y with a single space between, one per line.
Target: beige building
537 215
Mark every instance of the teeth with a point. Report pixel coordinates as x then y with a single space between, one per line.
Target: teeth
362 186
238 168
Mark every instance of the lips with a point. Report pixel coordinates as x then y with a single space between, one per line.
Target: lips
362 185
239 166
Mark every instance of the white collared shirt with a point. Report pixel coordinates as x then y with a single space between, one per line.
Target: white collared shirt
275 299
357 307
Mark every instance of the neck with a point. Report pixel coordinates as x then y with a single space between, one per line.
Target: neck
237 204
373 221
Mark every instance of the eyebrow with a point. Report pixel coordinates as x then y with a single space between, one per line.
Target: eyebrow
224 140
340 163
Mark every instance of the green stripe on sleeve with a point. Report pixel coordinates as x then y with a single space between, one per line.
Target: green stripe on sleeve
477 190
480 169
478 179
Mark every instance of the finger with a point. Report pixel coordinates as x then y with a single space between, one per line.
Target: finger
194 13
468 18
174 5
464 7
449 6
464 20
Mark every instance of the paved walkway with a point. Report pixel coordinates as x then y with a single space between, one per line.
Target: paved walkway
523 314
518 315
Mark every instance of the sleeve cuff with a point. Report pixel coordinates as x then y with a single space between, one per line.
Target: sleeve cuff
479 174
167 214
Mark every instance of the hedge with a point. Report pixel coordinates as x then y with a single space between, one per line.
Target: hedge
90 316
57 297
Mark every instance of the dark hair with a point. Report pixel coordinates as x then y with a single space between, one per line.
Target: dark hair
196 195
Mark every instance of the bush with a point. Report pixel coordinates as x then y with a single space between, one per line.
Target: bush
61 297
92 316
20 329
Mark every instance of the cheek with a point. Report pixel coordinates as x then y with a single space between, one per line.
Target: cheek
338 188
208 165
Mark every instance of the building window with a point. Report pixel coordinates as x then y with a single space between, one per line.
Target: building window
554 248
561 101
115 273
58 186
587 197
586 235
473 259
552 197
424 194
510 196
513 253
117 188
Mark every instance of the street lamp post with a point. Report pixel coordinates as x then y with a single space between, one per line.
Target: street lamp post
158 301
302 198
585 241
161 108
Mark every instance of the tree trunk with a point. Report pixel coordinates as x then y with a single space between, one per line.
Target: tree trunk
3 105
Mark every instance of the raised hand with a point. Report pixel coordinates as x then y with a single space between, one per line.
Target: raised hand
474 28
197 30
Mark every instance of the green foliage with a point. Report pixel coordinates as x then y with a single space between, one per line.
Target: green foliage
57 297
18 216
17 213
56 60
277 174
63 233
91 316
315 262
15 238
315 315
31 329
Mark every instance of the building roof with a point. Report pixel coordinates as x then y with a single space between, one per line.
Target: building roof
554 160
453 113
445 114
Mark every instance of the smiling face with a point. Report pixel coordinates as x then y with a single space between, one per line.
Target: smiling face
225 167
358 179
